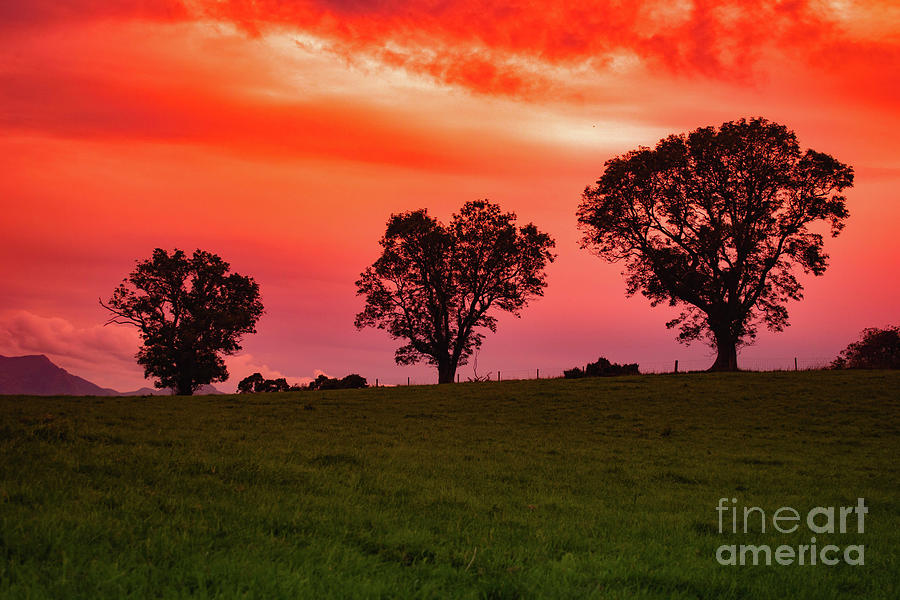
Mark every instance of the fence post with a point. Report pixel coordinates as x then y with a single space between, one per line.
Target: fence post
376 382
795 363
498 375
538 373
676 365
457 378
407 381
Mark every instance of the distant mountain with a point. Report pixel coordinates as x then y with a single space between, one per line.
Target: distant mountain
146 391
36 375
203 390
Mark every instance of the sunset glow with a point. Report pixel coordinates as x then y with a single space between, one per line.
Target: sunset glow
281 136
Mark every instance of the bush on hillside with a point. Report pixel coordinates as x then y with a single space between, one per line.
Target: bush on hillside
875 349
257 384
601 368
352 381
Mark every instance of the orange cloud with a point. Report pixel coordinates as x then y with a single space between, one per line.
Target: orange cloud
506 47
517 49
282 134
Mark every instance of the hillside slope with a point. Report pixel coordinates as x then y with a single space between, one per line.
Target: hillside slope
37 375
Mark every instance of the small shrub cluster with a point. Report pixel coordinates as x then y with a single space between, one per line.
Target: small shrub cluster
601 368
352 381
257 384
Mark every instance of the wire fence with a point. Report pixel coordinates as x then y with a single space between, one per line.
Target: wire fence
754 364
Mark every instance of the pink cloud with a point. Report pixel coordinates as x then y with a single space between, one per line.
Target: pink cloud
242 365
103 355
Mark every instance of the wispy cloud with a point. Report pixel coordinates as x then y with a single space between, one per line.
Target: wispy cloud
505 48
521 49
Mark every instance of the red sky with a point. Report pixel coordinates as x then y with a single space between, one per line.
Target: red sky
281 135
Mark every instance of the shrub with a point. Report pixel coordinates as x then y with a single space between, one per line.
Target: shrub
324 382
250 383
256 383
602 368
876 349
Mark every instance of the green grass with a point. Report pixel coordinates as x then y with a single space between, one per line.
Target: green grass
556 488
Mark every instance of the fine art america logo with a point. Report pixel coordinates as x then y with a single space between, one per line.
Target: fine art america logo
786 520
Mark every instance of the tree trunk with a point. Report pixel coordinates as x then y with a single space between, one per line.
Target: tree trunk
726 348
446 370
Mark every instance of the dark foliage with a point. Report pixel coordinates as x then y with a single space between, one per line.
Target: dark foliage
876 349
256 383
251 383
434 284
715 222
352 381
601 368
189 311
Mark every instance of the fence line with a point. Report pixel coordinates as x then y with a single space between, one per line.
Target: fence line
769 364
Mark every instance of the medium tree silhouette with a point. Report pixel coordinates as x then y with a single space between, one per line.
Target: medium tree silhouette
716 222
189 311
434 284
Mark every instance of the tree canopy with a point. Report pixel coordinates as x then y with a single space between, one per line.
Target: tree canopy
434 284
189 311
876 349
716 222
257 384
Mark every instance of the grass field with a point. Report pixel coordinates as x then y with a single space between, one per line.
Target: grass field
554 488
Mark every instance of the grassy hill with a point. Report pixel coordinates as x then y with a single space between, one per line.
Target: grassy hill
554 488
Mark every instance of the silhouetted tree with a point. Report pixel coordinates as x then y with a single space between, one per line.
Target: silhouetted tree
275 385
251 383
876 349
715 222
354 381
258 384
323 382
189 311
434 284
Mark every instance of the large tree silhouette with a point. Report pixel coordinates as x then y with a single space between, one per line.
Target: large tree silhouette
434 284
189 311
716 222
